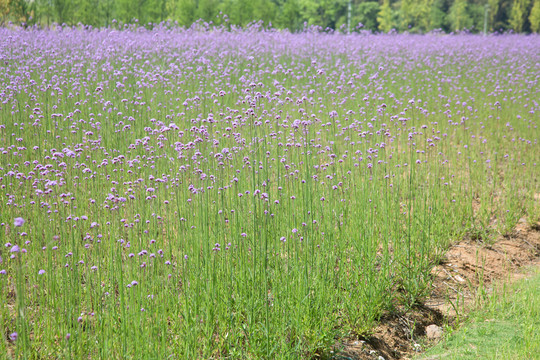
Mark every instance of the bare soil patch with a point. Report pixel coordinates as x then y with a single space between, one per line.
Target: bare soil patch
461 281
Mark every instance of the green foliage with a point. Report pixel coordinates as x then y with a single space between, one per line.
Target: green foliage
155 11
87 12
207 9
437 15
20 10
407 14
185 12
107 11
423 12
63 11
288 15
264 10
534 18
418 16
366 14
493 9
325 13
4 10
477 13
518 14
243 12
385 17
421 15
459 16
124 12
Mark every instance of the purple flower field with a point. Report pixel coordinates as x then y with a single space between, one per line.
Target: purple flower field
252 194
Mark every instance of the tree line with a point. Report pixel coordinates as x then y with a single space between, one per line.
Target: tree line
419 16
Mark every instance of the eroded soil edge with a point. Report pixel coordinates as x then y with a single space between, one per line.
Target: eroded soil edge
465 274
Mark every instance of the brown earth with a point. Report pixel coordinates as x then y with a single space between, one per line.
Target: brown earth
462 281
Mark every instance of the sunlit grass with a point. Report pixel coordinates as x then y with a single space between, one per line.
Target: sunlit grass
507 328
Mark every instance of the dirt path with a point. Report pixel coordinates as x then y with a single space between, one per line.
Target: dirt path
460 282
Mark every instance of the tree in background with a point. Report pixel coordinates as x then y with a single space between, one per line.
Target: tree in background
107 11
4 11
534 18
141 10
476 10
325 13
493 9
63 11
264 10
385 17
185 11
155 11
407 13
366 13
459 16
126 10
87 12
19 10
207 10
415 15
437 15
363 15
377 15
423 15
240 12
44 12
518 14
288 15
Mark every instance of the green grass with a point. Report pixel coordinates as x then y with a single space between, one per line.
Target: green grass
508 327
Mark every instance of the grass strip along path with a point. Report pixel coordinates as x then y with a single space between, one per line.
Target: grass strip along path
508 327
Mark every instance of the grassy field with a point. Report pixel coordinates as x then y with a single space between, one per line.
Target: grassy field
249 194
507 328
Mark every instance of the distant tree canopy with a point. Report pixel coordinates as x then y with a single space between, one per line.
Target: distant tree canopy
382 15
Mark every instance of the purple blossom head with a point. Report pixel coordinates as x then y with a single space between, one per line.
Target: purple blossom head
19 222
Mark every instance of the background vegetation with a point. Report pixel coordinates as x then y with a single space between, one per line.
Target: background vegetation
384 15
